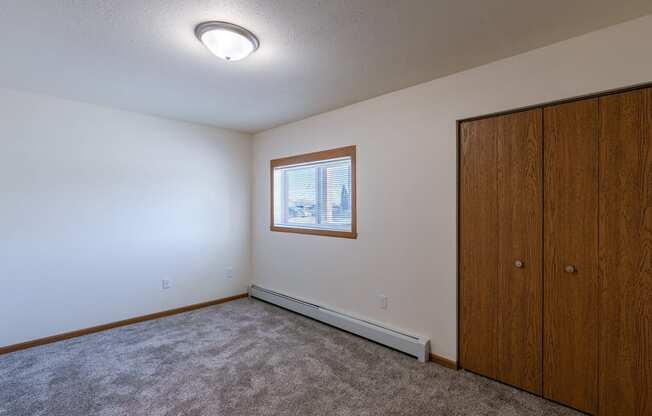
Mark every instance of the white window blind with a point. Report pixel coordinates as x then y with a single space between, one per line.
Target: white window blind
315 195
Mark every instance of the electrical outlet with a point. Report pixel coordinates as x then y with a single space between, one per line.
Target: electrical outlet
383 301
228 272
166 284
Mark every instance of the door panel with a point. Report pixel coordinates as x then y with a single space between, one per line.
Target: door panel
500 223
626 253
520 233
478 249
570 319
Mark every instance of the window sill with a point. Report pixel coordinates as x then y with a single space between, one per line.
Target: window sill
310 231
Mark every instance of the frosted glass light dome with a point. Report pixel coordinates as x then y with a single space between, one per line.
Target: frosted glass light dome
226 40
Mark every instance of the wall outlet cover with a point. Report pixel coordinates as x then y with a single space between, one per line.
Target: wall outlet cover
383 301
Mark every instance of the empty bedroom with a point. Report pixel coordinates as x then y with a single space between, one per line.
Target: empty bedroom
325 208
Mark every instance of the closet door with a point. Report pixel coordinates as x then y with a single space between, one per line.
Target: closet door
570 320
500 248
478 257
519 238
626 253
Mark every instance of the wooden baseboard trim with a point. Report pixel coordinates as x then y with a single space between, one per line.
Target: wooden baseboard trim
443 361
99 328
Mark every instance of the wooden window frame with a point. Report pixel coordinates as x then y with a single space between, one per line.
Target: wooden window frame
348 151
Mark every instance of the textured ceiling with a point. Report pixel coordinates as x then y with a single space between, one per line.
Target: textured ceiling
142 55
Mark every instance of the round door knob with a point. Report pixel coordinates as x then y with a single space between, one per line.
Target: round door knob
518 264
570 268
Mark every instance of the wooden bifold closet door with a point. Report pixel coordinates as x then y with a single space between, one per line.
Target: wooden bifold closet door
500 235
570 278
626 253
555 243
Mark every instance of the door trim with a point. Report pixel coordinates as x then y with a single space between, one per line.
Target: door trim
544 104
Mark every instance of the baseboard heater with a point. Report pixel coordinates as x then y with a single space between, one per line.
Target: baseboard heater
409 344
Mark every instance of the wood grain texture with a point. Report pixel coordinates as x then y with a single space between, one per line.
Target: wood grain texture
570 363
626 254
478 228
91 330
500 222
520 228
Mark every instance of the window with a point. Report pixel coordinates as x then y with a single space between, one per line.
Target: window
315 193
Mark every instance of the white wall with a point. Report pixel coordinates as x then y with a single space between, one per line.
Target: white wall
97 206
407 180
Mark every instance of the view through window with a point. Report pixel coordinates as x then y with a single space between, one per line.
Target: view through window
315 193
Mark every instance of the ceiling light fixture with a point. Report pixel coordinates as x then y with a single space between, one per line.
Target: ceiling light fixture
226 40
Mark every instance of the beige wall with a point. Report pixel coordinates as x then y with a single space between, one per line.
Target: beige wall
98 206
407 180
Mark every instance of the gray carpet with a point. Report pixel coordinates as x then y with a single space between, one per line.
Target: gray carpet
242 358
